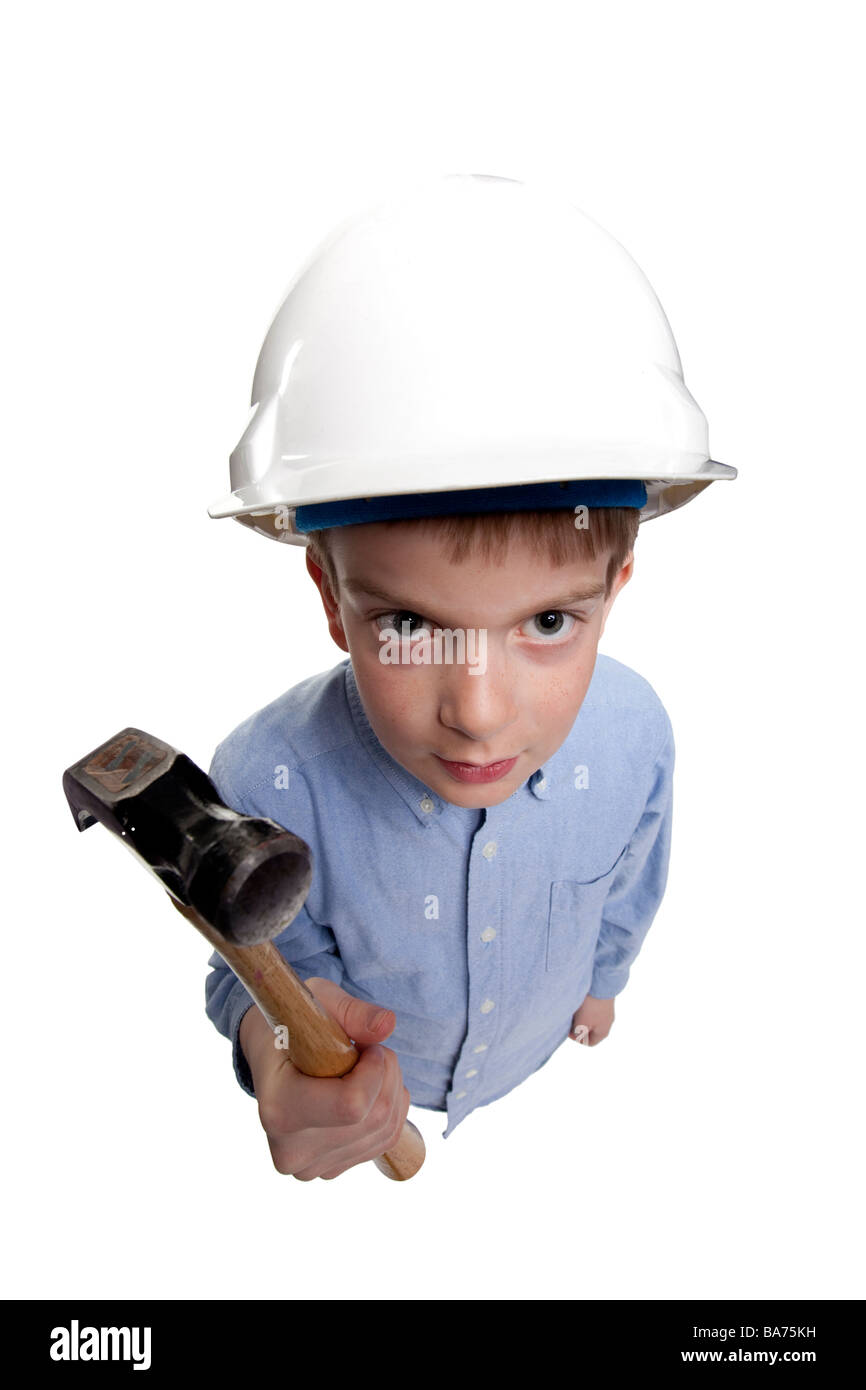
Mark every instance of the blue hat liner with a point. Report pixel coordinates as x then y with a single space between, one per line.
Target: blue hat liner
525 497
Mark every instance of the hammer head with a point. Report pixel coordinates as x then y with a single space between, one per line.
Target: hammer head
246 875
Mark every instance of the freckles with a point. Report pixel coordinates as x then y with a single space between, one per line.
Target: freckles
397 701
561 695
399 714
554 692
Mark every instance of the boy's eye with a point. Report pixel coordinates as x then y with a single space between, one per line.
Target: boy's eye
401 621
551 626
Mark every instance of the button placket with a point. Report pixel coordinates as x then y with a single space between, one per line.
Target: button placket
484 906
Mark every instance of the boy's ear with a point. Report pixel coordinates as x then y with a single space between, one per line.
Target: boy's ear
621 579
335 626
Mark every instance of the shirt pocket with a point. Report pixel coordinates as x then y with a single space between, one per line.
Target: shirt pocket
574 921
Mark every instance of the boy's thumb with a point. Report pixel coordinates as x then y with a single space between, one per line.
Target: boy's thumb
365 1023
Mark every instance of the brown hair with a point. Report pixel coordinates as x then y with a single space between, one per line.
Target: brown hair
550 533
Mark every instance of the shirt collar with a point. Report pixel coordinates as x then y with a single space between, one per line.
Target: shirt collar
422 802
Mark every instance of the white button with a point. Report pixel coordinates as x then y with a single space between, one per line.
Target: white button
473 1071
488 933
426 805
489 849
482 1047
542 784
487 1006
460 1095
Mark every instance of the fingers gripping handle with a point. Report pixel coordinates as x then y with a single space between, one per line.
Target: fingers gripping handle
318 1046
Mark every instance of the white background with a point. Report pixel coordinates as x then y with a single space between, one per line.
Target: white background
166 168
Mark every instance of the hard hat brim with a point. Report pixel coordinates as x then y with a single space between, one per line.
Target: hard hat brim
256 503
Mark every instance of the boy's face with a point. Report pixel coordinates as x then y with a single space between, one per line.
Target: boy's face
538 626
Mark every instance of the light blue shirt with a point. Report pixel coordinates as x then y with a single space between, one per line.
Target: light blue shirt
483 930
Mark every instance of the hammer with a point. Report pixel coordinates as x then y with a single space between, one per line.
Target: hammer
239 879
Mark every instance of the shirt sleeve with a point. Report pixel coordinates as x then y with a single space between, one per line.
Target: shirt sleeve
638 888
309 948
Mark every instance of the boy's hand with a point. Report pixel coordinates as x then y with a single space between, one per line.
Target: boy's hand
317 1127
596 1015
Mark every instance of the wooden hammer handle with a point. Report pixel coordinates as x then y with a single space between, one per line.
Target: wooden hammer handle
317 1045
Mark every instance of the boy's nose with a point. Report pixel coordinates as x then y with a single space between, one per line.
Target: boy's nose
479 705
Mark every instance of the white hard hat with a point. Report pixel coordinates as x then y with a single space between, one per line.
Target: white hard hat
468 332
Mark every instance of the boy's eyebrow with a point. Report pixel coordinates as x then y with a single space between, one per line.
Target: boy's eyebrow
582 595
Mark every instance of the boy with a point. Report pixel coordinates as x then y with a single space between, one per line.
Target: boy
490 815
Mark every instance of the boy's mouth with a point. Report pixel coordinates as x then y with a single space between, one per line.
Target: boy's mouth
477 772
